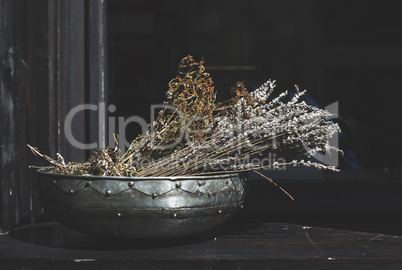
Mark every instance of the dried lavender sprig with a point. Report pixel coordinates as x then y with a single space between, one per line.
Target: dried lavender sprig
290 118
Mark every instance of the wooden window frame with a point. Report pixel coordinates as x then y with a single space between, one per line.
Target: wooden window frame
53 59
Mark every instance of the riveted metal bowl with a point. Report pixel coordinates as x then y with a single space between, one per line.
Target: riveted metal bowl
141 207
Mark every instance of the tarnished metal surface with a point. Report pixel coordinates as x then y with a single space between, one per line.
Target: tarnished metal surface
141 207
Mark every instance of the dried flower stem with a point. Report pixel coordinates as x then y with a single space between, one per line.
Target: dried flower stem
272 182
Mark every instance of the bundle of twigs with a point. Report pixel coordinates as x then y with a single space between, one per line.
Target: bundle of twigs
195 135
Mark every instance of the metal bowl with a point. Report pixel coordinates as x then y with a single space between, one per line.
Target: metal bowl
141 207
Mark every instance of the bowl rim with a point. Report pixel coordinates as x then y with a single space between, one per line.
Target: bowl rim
44 171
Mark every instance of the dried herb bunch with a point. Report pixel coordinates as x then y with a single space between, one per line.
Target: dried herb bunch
249 130
195 135
187 115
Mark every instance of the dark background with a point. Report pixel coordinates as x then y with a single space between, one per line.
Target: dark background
345 51
341 51
348 52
